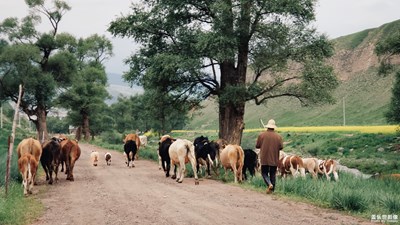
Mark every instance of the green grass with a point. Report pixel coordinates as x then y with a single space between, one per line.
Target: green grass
15 209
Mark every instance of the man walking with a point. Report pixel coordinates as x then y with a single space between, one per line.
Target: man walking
270 143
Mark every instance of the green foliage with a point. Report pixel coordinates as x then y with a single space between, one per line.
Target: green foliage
393 114
112 137
56 125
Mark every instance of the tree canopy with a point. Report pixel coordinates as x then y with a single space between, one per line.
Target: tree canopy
236 50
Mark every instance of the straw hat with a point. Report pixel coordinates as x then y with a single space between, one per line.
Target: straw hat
271 124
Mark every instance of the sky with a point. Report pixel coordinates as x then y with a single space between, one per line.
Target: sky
334 18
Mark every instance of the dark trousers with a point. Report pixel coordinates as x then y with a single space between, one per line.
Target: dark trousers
269 174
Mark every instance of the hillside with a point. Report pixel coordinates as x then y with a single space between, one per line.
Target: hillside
118 87
366 95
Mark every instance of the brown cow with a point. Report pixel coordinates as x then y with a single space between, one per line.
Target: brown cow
136 139
29 152
232 157
27 165
70 152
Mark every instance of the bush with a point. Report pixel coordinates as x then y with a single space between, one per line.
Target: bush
112 137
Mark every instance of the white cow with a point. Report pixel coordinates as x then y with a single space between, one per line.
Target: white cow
143 140
181 152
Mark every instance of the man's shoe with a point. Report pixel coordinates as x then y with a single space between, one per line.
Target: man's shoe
269 190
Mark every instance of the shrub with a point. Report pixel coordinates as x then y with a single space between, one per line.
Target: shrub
112 137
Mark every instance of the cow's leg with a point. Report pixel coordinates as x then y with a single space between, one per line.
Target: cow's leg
127 158
336 176
45 170
239 171
175 168
181 170
159 160
62 165
197 165
133 158
72 162
244 172
192 159
68 167
168 168
56 171
51 173
235 173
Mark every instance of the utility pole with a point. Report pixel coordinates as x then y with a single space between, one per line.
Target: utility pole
344 112
11 141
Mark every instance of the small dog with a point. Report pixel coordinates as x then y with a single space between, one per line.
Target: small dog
107 156
94 156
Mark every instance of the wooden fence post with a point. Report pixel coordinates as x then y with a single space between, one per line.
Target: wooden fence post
11 140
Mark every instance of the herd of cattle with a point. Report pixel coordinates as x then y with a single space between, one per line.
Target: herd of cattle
232 157
52 153
178 152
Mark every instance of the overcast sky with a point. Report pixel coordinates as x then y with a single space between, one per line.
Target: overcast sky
334 18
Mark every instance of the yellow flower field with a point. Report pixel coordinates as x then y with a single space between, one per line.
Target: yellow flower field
387 129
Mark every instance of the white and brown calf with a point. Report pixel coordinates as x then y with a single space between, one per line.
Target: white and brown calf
328 167
290 164
27 165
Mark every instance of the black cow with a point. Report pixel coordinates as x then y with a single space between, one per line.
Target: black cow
250 162
163 150
205 151
50 158
130 150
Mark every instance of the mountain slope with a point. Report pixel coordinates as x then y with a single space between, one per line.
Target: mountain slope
365 94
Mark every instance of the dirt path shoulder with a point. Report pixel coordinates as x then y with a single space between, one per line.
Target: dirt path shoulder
142 195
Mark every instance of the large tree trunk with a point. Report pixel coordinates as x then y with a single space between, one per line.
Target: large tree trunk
41 125
231 123
231 116
85 127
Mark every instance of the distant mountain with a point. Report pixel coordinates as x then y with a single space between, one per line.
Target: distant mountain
118 87
361 99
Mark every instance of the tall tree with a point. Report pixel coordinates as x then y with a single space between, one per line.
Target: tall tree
88 91
41 62
386 49
237 50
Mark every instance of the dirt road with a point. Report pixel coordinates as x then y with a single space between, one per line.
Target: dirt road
142 195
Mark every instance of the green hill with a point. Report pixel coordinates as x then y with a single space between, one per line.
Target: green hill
366 95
